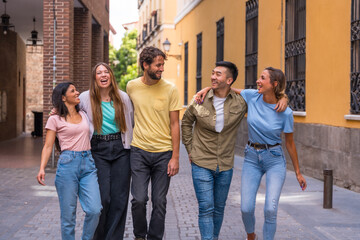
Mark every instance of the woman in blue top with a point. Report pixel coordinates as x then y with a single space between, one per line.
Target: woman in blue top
264 153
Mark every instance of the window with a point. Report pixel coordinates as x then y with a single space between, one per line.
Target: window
186 68
355 58
220 40
3 106
295 42
198 61
252 7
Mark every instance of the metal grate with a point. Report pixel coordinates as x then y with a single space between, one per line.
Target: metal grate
252 7
198 61
295 50
186 72
355 58
220 40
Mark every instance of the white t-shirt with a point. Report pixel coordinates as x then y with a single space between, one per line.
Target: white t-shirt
219 109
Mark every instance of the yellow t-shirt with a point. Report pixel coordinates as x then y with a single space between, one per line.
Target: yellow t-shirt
152 106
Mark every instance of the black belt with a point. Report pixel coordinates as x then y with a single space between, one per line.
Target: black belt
261 146
108 137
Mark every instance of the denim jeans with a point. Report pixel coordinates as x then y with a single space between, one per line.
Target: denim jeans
211 188
145 166
258 162
113 163
76 176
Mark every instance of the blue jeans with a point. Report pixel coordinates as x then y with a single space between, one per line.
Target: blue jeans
258 162
76 176
145 166
211 188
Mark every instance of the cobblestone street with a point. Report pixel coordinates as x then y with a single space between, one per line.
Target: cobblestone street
29 211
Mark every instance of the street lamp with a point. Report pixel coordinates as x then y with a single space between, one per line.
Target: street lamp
166 45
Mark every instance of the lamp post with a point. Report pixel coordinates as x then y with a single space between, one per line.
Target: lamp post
166 45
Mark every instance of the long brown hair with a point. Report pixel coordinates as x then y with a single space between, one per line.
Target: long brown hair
95 99
278 76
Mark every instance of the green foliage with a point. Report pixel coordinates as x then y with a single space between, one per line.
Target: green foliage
124 60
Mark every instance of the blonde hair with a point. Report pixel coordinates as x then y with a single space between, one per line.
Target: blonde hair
95 99
278 76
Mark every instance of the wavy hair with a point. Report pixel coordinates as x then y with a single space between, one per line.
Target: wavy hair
278 76
57 94
95 99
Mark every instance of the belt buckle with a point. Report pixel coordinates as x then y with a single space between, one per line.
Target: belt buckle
257 146
107 137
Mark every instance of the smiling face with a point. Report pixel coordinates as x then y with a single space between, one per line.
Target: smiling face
220 79
71 96
264 84
102 76
156 68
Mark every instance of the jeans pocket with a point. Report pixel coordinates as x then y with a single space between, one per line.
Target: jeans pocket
276 152
65 159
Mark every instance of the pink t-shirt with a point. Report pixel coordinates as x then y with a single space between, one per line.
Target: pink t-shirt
73 137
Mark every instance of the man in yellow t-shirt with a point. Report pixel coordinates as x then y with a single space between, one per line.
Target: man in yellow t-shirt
155 144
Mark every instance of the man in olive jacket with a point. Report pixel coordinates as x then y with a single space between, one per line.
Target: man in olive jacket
211 145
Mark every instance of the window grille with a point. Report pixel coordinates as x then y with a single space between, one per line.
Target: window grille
198 61
355 58
252 7
295 48
220 40
186 67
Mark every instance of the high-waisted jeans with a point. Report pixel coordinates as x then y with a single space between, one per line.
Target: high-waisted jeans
76 176
211 188
113 163
258 162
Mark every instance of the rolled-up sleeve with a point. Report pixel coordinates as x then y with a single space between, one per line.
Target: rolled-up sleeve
187 127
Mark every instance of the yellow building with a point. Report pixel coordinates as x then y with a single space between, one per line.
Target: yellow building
315 42
155 26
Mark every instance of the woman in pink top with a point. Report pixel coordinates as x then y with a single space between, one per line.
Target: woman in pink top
76 174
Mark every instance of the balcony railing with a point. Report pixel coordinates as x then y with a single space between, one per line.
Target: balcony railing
149 28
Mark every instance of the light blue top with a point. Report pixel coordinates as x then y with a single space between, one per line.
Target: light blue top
108 123
264 123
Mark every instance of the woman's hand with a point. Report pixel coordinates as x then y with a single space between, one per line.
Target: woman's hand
301 181
41 177
200 96
52 112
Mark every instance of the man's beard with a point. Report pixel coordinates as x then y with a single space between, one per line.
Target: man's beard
152 75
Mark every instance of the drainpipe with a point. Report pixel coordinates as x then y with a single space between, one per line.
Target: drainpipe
54 78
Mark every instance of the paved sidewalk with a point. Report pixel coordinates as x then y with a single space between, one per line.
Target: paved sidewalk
29 211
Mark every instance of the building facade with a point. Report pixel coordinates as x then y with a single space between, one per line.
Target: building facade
316 44
29 71
81 41
156 24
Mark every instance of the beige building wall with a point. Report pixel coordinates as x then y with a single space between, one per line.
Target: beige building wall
34 82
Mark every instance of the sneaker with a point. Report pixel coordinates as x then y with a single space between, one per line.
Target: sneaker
139 238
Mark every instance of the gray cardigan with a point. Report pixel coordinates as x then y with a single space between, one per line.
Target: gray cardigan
85 105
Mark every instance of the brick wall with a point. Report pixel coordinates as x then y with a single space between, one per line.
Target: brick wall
64 47
82 49
97 49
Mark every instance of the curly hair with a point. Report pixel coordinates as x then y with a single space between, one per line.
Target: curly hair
278 76
148 54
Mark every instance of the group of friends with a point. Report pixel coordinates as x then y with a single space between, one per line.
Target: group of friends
112 142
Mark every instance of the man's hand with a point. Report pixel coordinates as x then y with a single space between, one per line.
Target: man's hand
173 167
282 104
190 158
